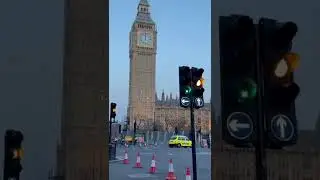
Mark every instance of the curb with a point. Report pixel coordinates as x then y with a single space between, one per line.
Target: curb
118 159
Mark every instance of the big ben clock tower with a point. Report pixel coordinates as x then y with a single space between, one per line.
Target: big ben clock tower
142 53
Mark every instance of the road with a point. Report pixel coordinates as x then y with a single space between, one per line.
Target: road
181 160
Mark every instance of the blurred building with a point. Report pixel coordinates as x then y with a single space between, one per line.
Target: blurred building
115 130
169 114
299 162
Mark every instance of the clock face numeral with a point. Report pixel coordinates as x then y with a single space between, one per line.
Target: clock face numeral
145 39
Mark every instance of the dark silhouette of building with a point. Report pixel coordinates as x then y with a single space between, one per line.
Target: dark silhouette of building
82 151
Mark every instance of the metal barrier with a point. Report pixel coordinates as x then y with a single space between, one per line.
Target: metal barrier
151 137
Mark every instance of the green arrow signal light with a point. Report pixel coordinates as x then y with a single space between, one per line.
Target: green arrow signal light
247 91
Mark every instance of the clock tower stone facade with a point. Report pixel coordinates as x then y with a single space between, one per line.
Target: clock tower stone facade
142 53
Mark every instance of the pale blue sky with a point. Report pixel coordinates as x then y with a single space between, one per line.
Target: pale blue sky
184 38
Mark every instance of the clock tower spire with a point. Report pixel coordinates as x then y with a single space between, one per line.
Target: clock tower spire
142 53
143 13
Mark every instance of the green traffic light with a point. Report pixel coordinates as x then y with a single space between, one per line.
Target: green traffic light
187 90
248 90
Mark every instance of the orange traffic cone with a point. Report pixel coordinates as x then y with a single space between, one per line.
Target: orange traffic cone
153 164
171 175
188 175
126 160
138 162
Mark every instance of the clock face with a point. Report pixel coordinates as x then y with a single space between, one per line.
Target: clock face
145 39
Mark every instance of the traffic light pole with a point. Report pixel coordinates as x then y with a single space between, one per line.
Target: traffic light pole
15 178
154 126
260 141
191 89
193 139
5 174
9 171
110 128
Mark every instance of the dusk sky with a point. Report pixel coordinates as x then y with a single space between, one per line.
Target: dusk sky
184 38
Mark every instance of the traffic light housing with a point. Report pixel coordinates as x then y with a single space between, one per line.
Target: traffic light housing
279 63
238 73
185 88
13 154
197 82
113 110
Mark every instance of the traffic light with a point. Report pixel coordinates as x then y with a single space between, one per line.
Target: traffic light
113 110
13 154
280 90
238 73
185 86
197 86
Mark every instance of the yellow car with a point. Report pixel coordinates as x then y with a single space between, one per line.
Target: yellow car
128 139
179 141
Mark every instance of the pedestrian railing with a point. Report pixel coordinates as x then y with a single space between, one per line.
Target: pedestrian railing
160 137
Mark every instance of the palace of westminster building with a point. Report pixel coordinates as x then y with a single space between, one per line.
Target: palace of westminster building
171 115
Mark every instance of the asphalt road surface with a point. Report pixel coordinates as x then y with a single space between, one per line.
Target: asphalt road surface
181 158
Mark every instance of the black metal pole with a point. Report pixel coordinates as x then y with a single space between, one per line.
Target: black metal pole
154 127
260 144
5 166
110 124
5 175
134 132
193 139
154 122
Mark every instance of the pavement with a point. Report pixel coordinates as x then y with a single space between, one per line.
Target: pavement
181 157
